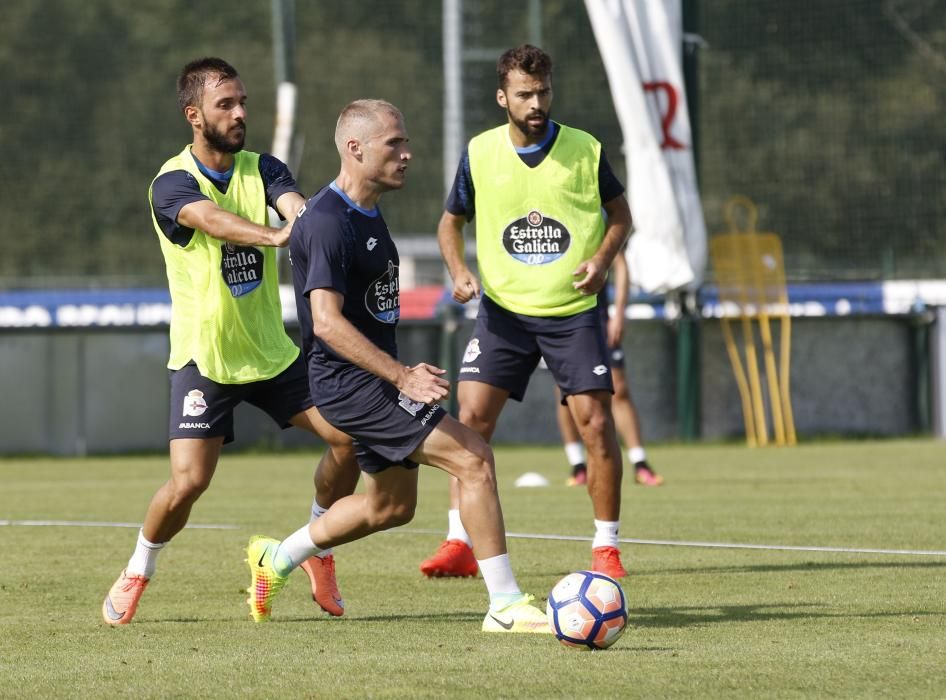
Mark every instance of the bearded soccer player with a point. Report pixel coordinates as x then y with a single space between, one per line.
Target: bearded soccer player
228 344
543 250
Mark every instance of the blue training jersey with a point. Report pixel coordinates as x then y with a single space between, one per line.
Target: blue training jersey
338 245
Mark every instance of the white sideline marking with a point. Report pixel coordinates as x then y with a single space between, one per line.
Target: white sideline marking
532 536
83 523
712 545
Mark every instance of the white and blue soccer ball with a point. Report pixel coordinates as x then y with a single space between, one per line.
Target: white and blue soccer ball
587 610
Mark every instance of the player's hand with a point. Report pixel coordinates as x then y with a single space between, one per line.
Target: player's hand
424 383
465 287
615 328
592 276
281 236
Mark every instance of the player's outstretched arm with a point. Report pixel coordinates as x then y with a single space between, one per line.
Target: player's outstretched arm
226 226
450 237
419 383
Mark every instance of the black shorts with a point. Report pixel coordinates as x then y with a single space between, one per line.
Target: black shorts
385 425
202 408
506 347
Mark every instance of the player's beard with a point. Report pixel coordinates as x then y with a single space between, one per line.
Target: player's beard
230 141
528 130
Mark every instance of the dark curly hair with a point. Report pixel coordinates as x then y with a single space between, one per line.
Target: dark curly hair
528 58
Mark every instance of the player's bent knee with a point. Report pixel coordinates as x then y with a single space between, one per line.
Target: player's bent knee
594 425
477 470
188 489
475 420
394 515
391 512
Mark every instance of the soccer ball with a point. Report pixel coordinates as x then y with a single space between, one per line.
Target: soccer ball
587 610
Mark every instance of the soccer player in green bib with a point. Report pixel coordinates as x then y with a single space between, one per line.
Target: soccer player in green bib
228 343
543 249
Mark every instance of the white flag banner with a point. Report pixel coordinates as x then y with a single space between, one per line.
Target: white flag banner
641 43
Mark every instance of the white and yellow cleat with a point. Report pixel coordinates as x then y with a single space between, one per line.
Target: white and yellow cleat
520 616
266 583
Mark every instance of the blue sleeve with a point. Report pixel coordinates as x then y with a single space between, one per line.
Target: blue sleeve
609 186
276 179
461 200
170 193
327 250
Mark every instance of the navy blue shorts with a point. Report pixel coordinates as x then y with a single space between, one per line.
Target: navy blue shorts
202 408
385 425
506 347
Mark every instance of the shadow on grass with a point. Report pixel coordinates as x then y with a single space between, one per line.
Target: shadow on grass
713 614
797 566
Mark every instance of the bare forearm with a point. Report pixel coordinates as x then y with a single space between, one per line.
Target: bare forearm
450 238
621 280
614 237
617 229
223 225
351 344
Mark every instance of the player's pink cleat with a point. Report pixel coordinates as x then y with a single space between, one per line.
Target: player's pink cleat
321 572
579 476
122 599
453 558
645 476
607 560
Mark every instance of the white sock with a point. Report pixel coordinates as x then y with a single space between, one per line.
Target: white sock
294 550
575 453
606 533
499 580
456 530
317 512
145 558
636 454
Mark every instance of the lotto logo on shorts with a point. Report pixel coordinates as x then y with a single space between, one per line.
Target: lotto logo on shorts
600 369
194 404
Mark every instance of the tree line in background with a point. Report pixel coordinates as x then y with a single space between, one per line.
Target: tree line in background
828 115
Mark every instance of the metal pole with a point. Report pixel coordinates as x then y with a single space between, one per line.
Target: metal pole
453 142
284 45
535 22
688 327
452 89
938 365
284 40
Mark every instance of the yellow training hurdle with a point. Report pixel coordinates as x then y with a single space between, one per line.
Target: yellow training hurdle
750 273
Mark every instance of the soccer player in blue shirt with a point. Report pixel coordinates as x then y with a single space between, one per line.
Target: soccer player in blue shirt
345 274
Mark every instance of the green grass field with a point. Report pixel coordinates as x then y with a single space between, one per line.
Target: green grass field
706 622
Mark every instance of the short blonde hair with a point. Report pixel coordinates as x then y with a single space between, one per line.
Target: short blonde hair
358 117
